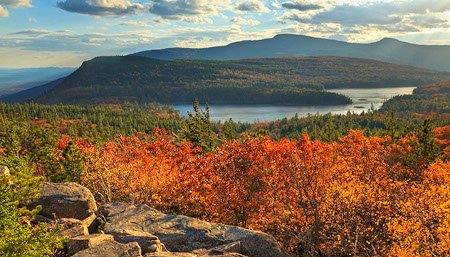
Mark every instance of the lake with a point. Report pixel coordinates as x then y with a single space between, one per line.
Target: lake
362 99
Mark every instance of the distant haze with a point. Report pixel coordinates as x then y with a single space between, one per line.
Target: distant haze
15 80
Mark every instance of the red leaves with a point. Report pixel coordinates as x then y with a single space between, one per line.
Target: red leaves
346 198
442 138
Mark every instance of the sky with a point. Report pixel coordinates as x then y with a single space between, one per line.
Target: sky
64 33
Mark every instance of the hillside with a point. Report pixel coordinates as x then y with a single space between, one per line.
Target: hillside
295 80
387 50
430 100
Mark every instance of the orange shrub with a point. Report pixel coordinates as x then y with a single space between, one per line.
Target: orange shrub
356 197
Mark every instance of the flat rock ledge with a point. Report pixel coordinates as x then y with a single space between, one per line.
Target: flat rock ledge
129 230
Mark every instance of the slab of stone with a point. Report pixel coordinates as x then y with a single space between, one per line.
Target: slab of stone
79 230
185 234
169 254
112 249
66 223
148 242
80 243
89 220
234 247
199 253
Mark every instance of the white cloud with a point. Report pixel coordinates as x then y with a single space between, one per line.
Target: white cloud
12 4
65 40
301 5
32 32
196 19
134 23
428 20
251 6
242 21
188 10
16 3
358 15
167 8
3 12
101 7
374 17
160 20
208 37
423 6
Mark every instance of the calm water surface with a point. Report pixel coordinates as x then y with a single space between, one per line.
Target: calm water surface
363 99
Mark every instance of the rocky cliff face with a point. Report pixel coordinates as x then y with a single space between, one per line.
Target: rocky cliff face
129 230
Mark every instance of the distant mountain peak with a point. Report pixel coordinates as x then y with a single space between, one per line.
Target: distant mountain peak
391 40
387 50
296 36
291 35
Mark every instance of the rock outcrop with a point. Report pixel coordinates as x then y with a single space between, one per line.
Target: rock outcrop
111 249
148 242
80 243
66 200
184 234
127 230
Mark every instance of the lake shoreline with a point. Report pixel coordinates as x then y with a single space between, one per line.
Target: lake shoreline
363 99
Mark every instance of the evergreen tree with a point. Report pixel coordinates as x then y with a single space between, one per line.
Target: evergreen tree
391 124
18 237
71 165
230 130
427 150
198 129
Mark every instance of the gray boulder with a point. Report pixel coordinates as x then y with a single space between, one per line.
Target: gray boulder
169 254
148 242
66 200
112 249
184 234
197 253
83 242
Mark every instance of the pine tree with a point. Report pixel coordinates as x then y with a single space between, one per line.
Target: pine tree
198 129
427 149
18 237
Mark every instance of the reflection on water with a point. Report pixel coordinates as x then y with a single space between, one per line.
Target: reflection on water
362 99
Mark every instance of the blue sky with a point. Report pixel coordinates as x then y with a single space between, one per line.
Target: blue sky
41 33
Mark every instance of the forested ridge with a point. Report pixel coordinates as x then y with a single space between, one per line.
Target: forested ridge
374 184
290 80
427 100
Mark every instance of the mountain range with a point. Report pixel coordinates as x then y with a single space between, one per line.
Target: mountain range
285 69
387 50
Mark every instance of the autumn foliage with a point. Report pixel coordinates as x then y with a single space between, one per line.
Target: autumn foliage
360 196
442 138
